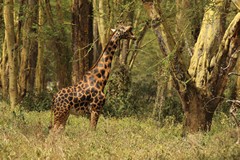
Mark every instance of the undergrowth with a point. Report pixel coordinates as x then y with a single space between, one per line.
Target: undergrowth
24 135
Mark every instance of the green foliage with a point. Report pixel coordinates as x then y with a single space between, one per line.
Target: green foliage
126 98
125 138
172 108
117 90
229 94
142 96
36 102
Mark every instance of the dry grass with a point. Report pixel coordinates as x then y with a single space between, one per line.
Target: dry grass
25 136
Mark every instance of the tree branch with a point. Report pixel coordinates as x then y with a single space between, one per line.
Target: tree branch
137 44
226 58
168 46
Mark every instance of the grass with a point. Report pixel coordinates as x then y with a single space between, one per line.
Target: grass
25 136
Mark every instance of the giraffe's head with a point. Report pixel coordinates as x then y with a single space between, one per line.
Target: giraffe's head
124 32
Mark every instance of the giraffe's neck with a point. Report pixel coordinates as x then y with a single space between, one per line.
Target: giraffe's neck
103 66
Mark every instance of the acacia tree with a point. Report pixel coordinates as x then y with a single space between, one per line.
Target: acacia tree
199 79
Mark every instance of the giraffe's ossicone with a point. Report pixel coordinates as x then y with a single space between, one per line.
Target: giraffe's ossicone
87 96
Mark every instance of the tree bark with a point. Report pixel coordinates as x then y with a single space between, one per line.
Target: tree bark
124 52
1 23
206 46
96 42
39 78
19 18
236 3
4 68
10 40
29 52
1 42
81 37
198 110
102 22
160 94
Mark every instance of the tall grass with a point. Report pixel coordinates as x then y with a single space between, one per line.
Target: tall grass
24 135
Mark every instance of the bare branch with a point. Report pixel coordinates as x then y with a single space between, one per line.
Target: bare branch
136 45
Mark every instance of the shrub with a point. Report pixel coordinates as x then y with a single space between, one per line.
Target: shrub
36 102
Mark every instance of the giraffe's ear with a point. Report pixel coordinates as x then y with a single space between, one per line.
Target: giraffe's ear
113 30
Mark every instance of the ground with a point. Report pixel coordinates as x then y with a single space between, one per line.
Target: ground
24 135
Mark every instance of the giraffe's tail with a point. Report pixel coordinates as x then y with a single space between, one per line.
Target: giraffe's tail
51 123
51 116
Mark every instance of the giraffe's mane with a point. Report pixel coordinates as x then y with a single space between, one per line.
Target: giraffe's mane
100 56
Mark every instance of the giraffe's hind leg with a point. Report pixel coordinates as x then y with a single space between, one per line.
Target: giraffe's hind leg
60 119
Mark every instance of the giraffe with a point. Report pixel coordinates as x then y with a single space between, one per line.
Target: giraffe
87 96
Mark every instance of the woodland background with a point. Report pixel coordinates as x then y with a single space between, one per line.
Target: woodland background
176 78
55 43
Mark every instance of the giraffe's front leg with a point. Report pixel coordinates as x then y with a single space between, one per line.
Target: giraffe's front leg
94 119
96 108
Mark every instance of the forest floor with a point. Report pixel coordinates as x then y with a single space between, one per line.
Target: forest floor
25 136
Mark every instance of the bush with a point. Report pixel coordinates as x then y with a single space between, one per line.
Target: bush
37 102
127 98
117 101
172 107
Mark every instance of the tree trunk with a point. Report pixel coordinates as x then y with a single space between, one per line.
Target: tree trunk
124 52
1 23
198 110
10 40
96 42
39 75
29 51
81 37
19 18
33 48
102 22
160 95
236 3
4 68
